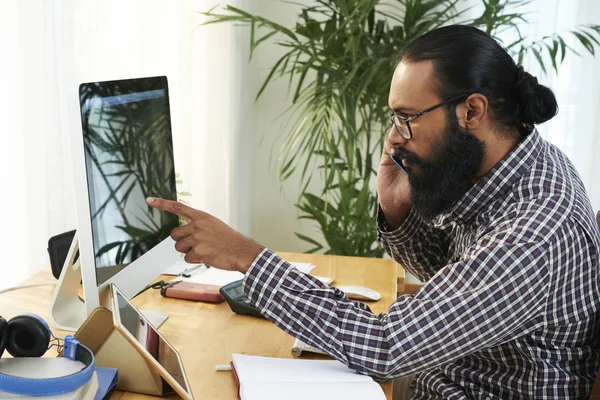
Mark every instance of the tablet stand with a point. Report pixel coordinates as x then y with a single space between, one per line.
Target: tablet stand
112 350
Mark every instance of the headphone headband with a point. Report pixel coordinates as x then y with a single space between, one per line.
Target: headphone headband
49 386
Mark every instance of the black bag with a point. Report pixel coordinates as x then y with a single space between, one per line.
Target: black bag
58 248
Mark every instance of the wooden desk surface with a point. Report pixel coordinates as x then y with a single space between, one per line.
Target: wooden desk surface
207 334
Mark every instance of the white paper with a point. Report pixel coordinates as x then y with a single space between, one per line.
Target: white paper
219 277
325 279
299 346
212 276
303 267
180 266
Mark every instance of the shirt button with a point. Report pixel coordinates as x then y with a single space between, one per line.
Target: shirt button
254 297
338 293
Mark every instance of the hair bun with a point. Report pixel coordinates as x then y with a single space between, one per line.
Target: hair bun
537 103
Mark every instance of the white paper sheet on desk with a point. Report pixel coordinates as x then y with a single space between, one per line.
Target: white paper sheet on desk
180 267
219 277
304 267
212 276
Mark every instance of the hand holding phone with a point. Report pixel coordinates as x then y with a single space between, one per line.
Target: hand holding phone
398 162
393 188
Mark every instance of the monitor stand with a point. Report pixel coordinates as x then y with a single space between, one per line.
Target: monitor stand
67 311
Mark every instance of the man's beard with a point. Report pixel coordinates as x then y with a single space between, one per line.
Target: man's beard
446 176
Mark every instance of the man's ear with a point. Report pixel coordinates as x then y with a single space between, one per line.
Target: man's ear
472 112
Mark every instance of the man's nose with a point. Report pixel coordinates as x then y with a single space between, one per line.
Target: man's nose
396 138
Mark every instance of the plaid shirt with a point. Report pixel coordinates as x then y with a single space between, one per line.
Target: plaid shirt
510 306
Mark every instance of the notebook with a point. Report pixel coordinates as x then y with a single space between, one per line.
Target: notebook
107 380
265 378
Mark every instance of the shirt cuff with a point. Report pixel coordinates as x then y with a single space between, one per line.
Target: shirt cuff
264 277
403 233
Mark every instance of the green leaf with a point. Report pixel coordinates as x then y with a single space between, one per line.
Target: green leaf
134 232
106 248
585 42
538 56
238 15
261 40
552 51
252 33
309 240
591 36
315 201
300 82
358 157
563 49
271 73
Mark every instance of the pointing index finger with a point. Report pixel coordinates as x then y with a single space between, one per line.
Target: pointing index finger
175 207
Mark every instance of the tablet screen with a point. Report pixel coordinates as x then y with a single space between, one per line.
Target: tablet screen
129 318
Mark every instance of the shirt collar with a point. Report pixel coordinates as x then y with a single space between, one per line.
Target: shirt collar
500 178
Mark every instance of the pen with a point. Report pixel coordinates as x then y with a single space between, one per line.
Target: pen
187 273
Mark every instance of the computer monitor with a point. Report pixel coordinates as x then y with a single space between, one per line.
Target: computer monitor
122 152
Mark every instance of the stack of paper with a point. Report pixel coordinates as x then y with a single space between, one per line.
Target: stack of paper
265 378
299 347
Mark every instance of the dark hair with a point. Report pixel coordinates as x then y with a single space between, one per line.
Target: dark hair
468 60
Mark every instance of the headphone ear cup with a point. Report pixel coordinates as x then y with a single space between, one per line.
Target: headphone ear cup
27 336
3 335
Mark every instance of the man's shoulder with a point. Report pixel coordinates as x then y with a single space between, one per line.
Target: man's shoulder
548 197
554 184
551 176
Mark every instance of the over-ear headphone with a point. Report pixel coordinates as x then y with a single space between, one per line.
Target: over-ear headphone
28 335
25 335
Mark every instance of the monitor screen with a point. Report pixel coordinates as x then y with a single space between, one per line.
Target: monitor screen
128 157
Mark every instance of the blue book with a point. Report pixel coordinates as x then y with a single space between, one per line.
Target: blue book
107 380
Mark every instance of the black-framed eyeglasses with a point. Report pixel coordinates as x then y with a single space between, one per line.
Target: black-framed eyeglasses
402 124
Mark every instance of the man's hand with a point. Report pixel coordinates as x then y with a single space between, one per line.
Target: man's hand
206 239
393 189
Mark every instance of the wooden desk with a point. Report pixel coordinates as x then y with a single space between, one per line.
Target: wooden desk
207 334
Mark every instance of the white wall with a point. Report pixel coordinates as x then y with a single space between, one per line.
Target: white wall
274 216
